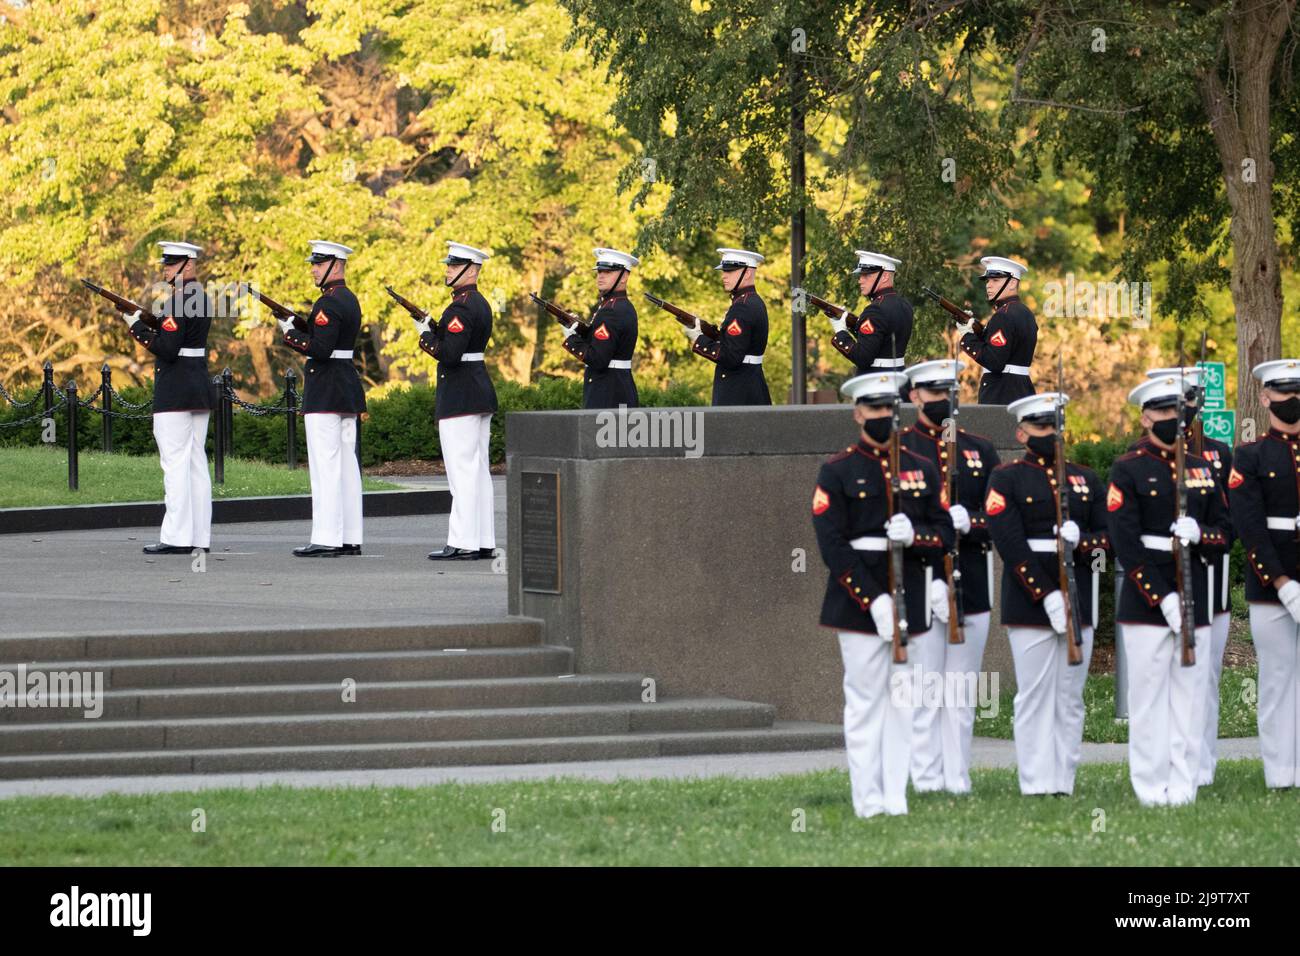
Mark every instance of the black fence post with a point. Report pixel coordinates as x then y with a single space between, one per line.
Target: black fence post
219 433
71 389
291 416
47 388
228 383
106 398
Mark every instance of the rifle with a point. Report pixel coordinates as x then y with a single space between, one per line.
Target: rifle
832 310
124 305
952 558
1182 550
1198 436
685 318
279 311
960 315
896 547
1067 581
417 313
563 316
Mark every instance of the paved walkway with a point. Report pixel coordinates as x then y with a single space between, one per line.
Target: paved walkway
986 752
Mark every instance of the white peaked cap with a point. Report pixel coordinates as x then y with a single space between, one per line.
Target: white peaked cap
319 247
1040 406
1191 374
996 265
739 257
1277 372
1157 392
615 259
874 386
180 249
870 261
936 371
458 250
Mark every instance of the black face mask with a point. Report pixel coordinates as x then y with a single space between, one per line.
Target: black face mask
878 429
1288 412
1042 445
937 412
1166 430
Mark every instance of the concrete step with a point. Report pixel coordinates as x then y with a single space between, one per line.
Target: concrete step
367 666
88 736
503 632
328 698
781 736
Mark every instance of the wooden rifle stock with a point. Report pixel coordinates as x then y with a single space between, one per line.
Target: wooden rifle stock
832 310
563 316
896 567
417 313
960 316
685 318
124 305
1183 551
1067 581
952 558
280 312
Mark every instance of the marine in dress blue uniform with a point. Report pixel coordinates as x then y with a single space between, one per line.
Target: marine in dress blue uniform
182 400
851 516
742 337
464 404
881 333
1005 350
607 343
332 400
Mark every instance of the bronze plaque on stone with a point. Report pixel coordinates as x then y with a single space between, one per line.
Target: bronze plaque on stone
540 531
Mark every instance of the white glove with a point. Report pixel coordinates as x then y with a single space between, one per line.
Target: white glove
1297 521
1070 533
692 331
899 528
131 318
882 613
939 600
960 518
425 324
1054 605
570 329
967 326
840 324
1187 529
1172 609
1289 595
286 324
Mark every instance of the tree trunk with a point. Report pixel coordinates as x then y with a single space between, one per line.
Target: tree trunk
1252 38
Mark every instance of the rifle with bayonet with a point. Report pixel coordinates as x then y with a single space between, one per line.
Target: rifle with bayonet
417 313
1066 579
952 557
832 310
896 588
563 316
1182 548
709 330
125 305
280 312
960 316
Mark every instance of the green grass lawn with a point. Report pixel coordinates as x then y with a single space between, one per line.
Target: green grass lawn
663 822
1237 712
32 477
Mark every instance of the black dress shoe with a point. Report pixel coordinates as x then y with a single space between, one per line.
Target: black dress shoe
351 549
165 549
487 553
317 551
448 553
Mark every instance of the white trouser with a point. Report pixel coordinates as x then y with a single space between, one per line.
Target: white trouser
1218 644
1049 711
1277 639
1166 713
926 652
961 673
187 487
877 725
335 478
465 452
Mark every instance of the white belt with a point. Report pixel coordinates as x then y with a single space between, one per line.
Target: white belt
1157 542
870 543
621 363
1015 370
341 354
1042 544
1281 524
888 363
472 357
201 353
754 359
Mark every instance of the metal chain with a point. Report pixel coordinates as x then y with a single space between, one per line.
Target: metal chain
124 403
14 402
32 418
258 409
